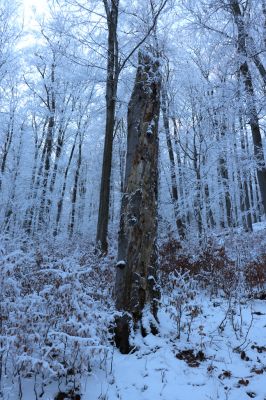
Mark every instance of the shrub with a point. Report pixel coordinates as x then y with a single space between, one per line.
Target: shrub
255 274
55 314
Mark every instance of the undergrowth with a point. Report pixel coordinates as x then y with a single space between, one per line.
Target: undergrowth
57 306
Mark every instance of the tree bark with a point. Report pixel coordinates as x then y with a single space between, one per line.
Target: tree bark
43 212
75 190
111 93
136 267
251 105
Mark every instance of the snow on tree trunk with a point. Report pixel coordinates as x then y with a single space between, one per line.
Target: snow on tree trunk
136 267
165 111
250 98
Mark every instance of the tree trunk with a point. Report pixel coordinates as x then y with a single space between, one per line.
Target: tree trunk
251 104
75 190
111 93
179 222
264 22
6 147
43 212
63 190
243 178
136 267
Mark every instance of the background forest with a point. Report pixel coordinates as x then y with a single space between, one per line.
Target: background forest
67 71
53 83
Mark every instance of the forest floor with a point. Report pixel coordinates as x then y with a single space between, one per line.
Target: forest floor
57 309
220 355
224 358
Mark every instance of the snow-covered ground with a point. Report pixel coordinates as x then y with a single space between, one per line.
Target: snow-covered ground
220 354
229 363
223 358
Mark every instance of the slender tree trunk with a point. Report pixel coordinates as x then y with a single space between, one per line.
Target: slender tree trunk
225 178
63 191
264 22
244 197
180 175
47 164
210 217
48 150
10 204
198 200
82 195
7 144
58 151
32 211
75 191
179 222
35 176
111 93
136 267
223 169
257 61
251 104
219 128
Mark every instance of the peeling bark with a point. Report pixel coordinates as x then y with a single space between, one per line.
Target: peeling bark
136 267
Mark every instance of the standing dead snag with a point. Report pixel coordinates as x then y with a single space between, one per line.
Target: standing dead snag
136 285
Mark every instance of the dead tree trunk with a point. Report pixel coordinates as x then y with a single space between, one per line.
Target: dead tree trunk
136 286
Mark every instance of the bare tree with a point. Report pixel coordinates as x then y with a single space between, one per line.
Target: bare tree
111 93
114 67
165 112
250 96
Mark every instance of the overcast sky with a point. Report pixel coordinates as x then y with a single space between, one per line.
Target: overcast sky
33 8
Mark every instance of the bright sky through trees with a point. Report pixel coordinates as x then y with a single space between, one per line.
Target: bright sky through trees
33 8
